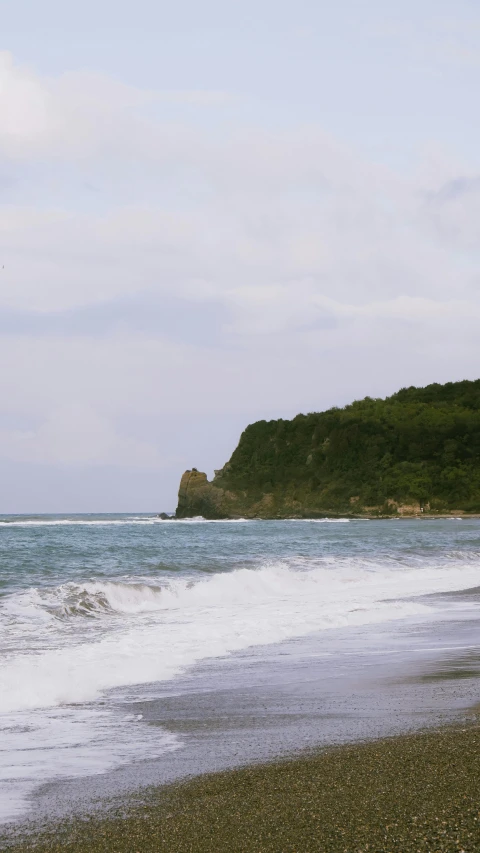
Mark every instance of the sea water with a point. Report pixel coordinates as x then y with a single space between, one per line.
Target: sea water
97 607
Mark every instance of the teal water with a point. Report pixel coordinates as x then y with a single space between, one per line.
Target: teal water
96 608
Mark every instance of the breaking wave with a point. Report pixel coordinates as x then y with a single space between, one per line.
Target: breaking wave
159 630
108 608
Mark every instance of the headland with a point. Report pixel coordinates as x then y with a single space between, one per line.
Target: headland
414 454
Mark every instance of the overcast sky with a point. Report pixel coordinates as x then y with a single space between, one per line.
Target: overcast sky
217 212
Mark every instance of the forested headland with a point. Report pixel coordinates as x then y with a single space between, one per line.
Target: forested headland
416 451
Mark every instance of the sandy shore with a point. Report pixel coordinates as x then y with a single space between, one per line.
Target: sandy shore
417 792
388 788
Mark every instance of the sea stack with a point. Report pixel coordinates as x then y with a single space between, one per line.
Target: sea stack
197 496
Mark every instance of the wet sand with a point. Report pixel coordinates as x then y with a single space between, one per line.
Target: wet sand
298 699
278 701
417 792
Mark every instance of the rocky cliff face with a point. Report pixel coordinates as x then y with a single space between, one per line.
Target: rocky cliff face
197 496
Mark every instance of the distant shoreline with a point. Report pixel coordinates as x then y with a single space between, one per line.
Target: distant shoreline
332 515
418 516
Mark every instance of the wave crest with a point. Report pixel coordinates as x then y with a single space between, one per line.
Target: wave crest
96 599
161 629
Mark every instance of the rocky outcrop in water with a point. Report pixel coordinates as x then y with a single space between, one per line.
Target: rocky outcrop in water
197 496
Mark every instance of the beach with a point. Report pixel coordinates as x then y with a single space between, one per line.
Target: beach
418 792
352 780
321 642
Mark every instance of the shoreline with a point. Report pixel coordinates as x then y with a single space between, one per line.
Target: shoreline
414 792
360 684
289 715
421 516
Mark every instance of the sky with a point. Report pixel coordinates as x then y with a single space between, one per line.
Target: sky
215 213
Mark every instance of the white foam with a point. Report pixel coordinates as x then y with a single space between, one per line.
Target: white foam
199 519
116 522
78 522
67 743
66 646
324 520
145 632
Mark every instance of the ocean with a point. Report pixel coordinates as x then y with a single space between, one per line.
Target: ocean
106 622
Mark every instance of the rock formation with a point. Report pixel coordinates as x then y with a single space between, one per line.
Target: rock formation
197 496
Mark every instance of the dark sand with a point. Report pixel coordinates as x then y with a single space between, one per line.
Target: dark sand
279 701
410 793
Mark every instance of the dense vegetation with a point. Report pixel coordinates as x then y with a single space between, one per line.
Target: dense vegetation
420 447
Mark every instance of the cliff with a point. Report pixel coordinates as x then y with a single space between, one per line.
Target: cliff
418 450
